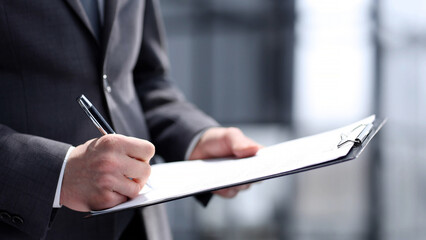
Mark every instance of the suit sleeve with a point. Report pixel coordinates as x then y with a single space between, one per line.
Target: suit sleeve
29 171
172 121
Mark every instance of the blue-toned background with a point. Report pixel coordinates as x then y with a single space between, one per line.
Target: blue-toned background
283 69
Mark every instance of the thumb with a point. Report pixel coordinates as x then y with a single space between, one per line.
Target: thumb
241 145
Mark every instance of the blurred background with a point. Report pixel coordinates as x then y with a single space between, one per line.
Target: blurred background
284 69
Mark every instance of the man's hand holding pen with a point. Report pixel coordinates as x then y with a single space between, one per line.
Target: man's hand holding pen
105 172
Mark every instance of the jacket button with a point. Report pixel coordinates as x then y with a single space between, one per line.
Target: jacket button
4 216
105 82
17 220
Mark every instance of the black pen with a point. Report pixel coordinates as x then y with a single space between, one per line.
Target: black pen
94 115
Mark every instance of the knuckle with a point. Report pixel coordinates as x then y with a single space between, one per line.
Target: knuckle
135 189
102 200
90 142
106 182
233 130
106 165
147 171
144 171
109 142
107 198
149 148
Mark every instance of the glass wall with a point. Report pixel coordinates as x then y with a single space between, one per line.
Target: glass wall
403 99
283 69
234 59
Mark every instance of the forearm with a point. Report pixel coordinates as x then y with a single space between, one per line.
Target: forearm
29 171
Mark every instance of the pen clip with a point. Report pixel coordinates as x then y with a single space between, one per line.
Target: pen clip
85 105
357 135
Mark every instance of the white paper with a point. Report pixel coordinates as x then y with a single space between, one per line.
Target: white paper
174 180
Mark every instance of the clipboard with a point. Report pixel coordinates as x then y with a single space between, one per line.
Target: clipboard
360 143
350 141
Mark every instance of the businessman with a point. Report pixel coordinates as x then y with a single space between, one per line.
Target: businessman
53 164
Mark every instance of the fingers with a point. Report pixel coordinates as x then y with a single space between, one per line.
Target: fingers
106 200
241 145
226 193
130 159
139 149
128 187
132 168
113 189
97 172
133 147
224 142
243 187
232 191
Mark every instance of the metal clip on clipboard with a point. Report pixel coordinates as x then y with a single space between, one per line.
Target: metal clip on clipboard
357 135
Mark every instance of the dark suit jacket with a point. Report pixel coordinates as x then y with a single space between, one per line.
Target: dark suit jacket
48 57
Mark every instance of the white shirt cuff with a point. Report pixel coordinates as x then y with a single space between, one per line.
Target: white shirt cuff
194 143
56 202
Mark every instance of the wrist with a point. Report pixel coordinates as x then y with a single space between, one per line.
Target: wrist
57 201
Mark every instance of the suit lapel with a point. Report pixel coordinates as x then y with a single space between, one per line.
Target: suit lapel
109 16
79 10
